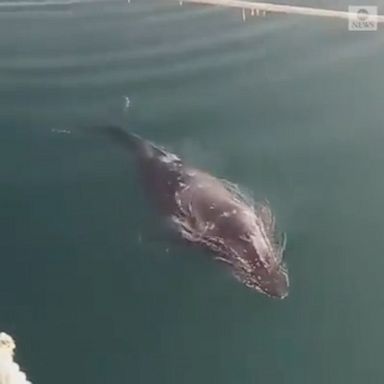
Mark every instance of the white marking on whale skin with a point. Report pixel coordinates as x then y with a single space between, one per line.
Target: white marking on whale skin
212 226
190 208
169 158
262 241
262 248
218 258
248 268
183 228
244 263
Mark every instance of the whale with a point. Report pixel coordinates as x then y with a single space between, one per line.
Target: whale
212 212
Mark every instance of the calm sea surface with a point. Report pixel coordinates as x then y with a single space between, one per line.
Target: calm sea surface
290 108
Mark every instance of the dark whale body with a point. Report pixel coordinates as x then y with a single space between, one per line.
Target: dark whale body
214 214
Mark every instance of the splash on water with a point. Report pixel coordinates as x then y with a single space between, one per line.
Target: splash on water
127 102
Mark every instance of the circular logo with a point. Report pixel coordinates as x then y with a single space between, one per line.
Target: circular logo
362 14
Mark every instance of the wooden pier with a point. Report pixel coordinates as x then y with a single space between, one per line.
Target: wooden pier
263 8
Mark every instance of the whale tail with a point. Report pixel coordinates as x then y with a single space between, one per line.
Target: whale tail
130 141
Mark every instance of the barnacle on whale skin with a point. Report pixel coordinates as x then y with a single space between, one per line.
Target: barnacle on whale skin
9 371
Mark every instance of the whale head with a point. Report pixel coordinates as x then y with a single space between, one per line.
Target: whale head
273 282
258 255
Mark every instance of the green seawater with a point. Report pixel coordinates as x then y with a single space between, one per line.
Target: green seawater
92 287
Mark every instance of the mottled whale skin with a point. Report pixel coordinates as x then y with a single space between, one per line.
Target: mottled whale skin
213 213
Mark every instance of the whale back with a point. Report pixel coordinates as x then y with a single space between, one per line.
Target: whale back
213 213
